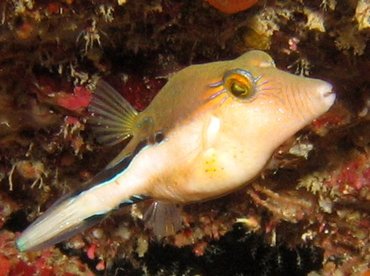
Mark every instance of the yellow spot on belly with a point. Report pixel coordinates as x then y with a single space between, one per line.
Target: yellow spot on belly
211 164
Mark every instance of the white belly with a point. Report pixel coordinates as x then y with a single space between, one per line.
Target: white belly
197 161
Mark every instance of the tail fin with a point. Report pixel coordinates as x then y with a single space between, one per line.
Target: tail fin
64 219
80 210
61 221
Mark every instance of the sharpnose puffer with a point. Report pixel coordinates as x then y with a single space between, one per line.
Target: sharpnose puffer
210 130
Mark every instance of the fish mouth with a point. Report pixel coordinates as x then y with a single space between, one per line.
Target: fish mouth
329 98
328 95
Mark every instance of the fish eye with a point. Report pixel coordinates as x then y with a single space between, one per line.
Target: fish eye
240 83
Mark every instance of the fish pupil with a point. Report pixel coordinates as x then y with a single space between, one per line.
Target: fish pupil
239 90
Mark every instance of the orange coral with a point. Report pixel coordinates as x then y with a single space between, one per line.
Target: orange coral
232 6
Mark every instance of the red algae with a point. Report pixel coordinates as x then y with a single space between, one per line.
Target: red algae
140 91
5 265
22 268
79 100
353 174
91 251
46 262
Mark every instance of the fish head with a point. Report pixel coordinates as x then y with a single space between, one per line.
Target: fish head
258 101
239 112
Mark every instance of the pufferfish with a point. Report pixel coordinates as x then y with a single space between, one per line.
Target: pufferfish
210 130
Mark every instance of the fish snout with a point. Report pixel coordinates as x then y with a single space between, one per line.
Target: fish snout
325 89
320 96
313 98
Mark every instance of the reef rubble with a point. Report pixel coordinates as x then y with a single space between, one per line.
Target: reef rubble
308 212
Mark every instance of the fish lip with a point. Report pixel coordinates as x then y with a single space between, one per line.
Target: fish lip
329 98
327 94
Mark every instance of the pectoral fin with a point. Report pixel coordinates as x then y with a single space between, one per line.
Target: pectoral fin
112 117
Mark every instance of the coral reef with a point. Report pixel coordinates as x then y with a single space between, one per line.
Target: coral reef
309 210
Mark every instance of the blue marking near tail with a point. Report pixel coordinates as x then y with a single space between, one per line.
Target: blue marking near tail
92 219
133 199
107 175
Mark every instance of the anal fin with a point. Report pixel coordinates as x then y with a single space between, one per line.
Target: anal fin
163 218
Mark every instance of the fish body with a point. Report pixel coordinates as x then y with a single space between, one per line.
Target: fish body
210 130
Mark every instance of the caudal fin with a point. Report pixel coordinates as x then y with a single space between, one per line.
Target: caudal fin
61 221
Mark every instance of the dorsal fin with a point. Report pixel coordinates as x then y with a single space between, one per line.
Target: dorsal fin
111 116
